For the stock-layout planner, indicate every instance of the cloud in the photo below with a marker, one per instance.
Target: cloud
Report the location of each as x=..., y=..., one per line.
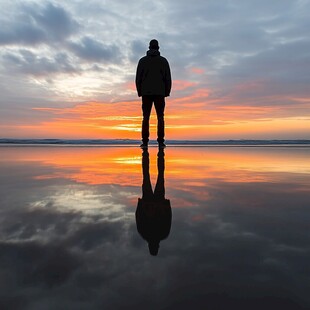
x=287, y=65
x=23, y=33
x=90, y=49
x=138, y=49
x=55, y=20
x=35, y=24
x=27, y=62
x=247, y=54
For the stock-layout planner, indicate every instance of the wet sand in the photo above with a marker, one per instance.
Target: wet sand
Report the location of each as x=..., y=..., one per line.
x=239, y=232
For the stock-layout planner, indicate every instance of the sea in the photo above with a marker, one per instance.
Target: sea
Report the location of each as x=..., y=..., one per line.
x=243, y=142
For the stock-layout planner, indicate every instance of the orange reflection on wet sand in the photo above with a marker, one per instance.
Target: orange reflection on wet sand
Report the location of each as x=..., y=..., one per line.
x=190, y=166
x=238, y=164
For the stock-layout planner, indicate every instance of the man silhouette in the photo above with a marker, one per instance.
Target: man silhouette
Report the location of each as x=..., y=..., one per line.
x=153, y=83
x=153, y=213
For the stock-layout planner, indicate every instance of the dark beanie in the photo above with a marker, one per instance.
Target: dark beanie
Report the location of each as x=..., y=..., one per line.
x=154, y=44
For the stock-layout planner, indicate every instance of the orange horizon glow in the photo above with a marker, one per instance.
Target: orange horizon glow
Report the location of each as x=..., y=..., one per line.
x=123, y=165
x=195, y=116
x=191, y=171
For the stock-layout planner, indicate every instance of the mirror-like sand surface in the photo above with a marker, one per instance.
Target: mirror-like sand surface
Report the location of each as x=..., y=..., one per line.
x=238, y=237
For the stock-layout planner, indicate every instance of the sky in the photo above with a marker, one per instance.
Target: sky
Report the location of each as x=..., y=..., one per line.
x=240, y=68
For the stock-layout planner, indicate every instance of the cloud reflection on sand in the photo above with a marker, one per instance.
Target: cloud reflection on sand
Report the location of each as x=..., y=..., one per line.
x=239, y=235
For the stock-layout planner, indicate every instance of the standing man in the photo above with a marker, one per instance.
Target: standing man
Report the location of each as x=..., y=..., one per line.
x=153, y=83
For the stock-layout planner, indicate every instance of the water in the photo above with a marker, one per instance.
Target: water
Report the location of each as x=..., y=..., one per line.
x=130, y=142
x=239, y=234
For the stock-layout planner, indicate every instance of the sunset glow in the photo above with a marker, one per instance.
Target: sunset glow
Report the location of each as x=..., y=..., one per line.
x=240, y=78
x=122, y=165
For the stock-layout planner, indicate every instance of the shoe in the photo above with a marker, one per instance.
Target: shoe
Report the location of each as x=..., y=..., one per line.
x=144, y=145
x=161, y=145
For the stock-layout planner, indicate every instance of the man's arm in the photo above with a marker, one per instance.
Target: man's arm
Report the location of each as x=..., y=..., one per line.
x=139, y=78
x=168, y=82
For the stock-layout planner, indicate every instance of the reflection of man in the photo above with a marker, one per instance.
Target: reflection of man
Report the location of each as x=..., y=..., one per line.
x=153, y=214
x=153, y=83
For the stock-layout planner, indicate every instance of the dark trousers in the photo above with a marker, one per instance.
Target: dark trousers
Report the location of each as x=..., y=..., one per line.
x=147, y=103
x=159, y=191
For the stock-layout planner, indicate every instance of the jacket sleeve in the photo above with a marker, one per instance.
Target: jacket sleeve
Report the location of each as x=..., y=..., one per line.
x=168, y=82
x=139, y=78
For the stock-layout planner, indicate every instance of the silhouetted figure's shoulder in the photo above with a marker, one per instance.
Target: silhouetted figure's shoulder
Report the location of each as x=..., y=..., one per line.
x=153, y=219
x=153, y=55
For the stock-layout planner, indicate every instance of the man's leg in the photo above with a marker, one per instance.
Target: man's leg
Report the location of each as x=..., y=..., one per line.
x=147, y=102
x=159, y=192
x=159, y=102
x=147, y=192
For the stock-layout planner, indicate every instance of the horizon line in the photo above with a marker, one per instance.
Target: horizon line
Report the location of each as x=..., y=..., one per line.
x=56, y=141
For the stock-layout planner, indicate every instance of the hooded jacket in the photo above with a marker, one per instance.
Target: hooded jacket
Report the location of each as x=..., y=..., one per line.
x=153, y=75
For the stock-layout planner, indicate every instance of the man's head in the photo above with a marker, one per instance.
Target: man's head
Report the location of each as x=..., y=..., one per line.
x=154, y=45
x=153, y=247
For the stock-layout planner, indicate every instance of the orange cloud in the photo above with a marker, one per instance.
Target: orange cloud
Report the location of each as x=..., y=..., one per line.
x=198, y=115
x=181, y=85
x=130, y=85
x=197, y=70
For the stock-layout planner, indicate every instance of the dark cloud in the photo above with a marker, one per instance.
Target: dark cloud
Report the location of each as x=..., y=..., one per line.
x=138, y=49
x=287, y=64
x=23, y=33
x=27, y=62
x=240, y=41
x=50, y=265
x=90, y=49
x=37, y=24
x=55, y=20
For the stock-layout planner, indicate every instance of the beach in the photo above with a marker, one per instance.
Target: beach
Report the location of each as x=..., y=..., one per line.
x=239, y=234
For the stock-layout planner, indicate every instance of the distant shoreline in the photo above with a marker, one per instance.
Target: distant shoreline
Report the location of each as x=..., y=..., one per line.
x=128, y=142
